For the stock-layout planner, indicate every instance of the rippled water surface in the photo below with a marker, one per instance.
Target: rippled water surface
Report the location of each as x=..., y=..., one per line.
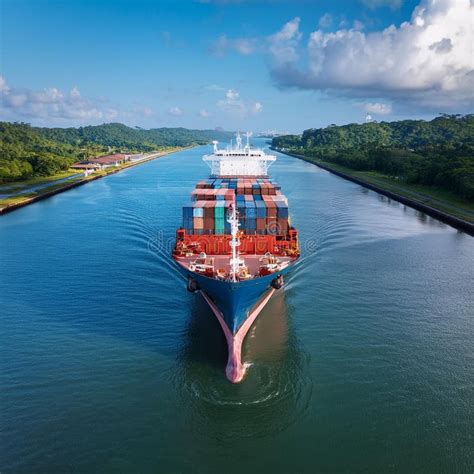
x=365, y=363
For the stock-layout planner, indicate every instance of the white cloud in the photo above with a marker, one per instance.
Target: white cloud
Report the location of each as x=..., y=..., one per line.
x=75, y=92
x=378, y=108
x=257, y=107
x=203, y=113
x=235, y=105
x=176, y=111
x=283, y=45
x=50, y=104
x=111, y=114
x=147, y=111
x=406, y=63
x=232, y=94
x=3, y=85
x=325, y=21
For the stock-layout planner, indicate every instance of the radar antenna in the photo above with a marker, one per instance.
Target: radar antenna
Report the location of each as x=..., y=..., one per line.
x=238, y=141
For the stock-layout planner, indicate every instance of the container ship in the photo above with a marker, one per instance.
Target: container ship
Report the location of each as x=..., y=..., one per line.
x=236, y=241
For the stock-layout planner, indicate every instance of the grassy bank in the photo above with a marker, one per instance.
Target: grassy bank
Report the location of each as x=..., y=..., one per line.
x=19, y=194
x=439, y=199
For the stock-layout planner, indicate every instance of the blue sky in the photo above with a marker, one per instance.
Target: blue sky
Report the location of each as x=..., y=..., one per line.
x=257, y=65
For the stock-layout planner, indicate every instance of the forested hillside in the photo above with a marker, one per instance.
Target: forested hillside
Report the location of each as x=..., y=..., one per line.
x=119, y=135
x=435, y=153
x=26, y=151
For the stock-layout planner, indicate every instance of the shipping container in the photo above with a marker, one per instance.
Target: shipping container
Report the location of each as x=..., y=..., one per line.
x=261, y=225
x=283, y=226
x=271, y=209
x=250, y=225
x=282, y=210
x=198, y=222
x=219, y=225
x=188, y=224
x=209, y=209
x=198, y=209
x=188, y=211
x=272, y=226
x=261, y=209
x=219, y=211
x=209, y=223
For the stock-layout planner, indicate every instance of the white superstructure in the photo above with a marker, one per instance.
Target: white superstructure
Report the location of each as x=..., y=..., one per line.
x=238, y=160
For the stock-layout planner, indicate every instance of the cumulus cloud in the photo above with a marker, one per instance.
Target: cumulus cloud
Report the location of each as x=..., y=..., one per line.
x=3, y=85
x=232, y=95
x=408, y=63
x=378, y=108
x=235, y=105
x=176, y=111
x=257, y=107
x=51, y=104
x=203, y=113
x=141, y=111
x=325, y=21
x=283, y=45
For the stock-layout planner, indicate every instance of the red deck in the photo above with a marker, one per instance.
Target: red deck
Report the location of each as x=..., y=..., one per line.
x=249, y=244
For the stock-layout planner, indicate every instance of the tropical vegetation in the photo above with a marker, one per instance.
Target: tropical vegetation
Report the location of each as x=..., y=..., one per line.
x=437, y=153
x=27, y=152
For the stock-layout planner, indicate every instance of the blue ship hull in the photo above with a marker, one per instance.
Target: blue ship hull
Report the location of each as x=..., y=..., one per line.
x=234, y=300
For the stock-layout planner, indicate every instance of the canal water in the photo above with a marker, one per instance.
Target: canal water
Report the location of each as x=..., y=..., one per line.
x=364, y=363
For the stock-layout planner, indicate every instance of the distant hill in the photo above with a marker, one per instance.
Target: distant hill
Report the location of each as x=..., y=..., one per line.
x=403, y=134
x=27, y=151
x=121, y=136
x=437, y=153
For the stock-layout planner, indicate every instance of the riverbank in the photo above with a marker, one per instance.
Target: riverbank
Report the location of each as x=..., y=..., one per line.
x=444, y=210
x=17, y=201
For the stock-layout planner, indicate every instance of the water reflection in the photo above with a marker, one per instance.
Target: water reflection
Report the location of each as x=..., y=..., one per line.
x=275, y=392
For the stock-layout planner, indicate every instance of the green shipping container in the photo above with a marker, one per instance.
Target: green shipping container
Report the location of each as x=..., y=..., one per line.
x=219, y=225
x=219, y=210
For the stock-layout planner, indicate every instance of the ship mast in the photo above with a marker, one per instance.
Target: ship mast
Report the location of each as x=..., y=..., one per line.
x=234, y=243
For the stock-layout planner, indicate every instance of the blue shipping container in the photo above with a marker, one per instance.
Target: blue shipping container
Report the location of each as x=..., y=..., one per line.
x=188, y=211
x=198, y=212
x=251, y=224
x=261, y=209
x=282, y=210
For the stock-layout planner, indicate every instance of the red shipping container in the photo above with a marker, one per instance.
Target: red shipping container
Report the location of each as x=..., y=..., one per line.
x=272, y=226
x=209, y=209
x=283, y=226
x=261, y=224
x=208, y=223
x=198, y=222
x=271, y=209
